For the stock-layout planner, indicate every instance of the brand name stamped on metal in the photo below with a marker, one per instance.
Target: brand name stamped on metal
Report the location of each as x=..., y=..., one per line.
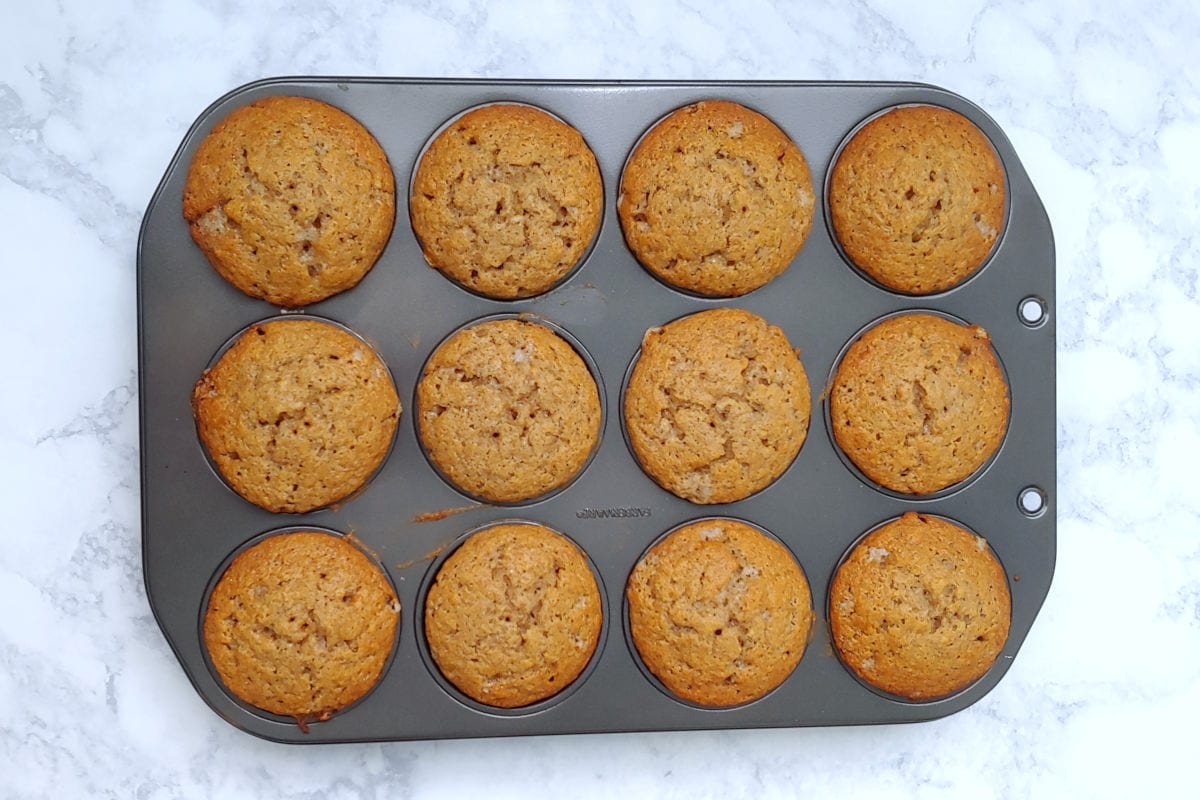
x=613, y=513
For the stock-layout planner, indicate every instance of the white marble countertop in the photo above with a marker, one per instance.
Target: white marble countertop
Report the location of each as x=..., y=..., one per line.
x=1103, y=108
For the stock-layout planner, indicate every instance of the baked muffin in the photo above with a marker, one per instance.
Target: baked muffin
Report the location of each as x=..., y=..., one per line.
x=719, y=612
x=507, y=410
x=291, y=200
x=920, y=608
x=301, y=624
x=717, y=405
x=297, y=414
x=716, y=199
x=917, y=199
x=506, y=200
x=514, y=615
x=919, y=403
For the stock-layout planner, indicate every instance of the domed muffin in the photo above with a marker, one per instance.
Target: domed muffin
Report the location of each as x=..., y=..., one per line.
x=919, y=403
x=301, y=624
x=507, y=410
x=297, y=414
x=719, y=612
x=920, y=608
x=506, y=200
x=291, y=199
x=717, y=405
x=514, y=615
x=716, y=199
x=917, y=199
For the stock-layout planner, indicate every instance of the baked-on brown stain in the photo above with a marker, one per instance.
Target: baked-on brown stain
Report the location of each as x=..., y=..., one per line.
x=917, y=199
x=719, y=612
x=716, y=199
x=432, y=554
x=351, y=537
x=717, y=405
x=506, y=200
x=920, y=608
x=291, y=200
x=441, y=514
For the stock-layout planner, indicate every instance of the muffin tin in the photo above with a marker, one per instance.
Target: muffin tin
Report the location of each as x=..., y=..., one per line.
x=410, y=518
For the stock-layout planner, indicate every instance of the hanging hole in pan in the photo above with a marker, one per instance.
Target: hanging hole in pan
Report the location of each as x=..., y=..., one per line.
x=1032, y=311
x=1032, y=501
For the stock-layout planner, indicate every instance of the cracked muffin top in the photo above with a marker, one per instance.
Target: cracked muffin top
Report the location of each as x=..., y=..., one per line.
x=301, y=624
x=719, y=612
x=291, y=200
x=717, y=405
x=297, y=414
x=917, y=199
x=919, y=403
x=920, y=608
x=507, y=410
x=716, y=199
x=506, y=200
x=514, y=615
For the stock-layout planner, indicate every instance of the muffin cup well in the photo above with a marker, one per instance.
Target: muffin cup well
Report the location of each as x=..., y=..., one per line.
x=1005, y=651
x=837, y=243
x=579, y=349
x=587, y=251
x=953, y=488
x=453, y=691
x=222, y=568
x=628, y=630
x=296, y=315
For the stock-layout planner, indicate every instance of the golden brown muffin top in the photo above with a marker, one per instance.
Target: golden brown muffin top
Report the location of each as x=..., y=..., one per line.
x=507, y=410
x=297, y=414
x=920, y=608
x=919, y=403
x=717, y=405
x=716, y=199
x=301, y=624
x=719, y=612
x=917, y=199
x=291, y=199
x=514, y=615
x=506, y=200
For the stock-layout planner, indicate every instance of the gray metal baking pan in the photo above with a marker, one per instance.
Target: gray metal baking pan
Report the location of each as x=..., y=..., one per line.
x=191, y=522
